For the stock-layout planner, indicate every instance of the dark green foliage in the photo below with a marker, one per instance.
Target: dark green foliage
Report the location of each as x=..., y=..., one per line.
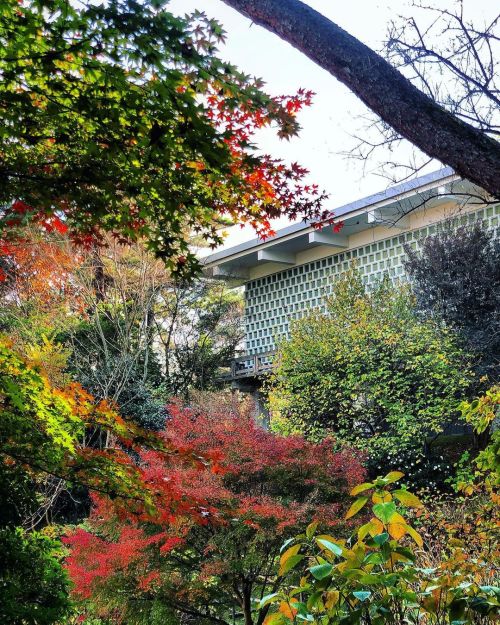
x=17, y=494
x=456, y=276
x=33, y=585
x=426, y=468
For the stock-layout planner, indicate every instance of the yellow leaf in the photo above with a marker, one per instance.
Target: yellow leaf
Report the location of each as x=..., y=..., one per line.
x=360, y=488
x=311, y=528
x=397, y=530
x=376, y=526
x=287, y=610
x=393, y=476
x=415, y=535
x=381, y=497
x=408, y=499
x=356, y=507
x=373, y=527
x=291, y=551
x=332, y=598
x=363, y=531
x=398, y=557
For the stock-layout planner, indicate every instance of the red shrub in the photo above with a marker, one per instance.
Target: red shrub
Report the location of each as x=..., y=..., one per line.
x=249, y=489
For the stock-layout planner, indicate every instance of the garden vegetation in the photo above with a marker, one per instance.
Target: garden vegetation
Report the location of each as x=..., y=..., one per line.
x=134, y=489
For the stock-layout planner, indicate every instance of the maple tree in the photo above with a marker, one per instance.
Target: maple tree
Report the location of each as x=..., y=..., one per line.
x=39, y=295
x=120, y=117
x=37, y=265
x=115, y=320
x=211, y=561
x=44, y=433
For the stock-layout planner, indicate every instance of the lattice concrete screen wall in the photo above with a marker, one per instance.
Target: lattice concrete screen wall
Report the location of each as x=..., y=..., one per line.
x=271, y=302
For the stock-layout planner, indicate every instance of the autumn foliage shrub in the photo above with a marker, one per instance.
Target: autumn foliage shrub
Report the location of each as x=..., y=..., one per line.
x=44, y=433
x=381, y=573
x=252, y=489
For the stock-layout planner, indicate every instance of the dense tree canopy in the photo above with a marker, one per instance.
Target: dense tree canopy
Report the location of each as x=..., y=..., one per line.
x=120, y=117
x=456, y=276
x=124, y=140
x=369, y=371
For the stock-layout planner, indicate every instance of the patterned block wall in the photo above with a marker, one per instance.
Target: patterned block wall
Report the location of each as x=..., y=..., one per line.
x=272, y=301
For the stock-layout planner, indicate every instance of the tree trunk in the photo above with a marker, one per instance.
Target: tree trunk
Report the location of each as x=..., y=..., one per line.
x=247, y=604
x=411, y=113
x=99, y=281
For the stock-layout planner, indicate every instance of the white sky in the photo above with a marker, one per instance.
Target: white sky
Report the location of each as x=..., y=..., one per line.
x=328, y=125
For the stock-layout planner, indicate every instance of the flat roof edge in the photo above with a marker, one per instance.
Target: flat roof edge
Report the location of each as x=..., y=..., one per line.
x=391, y=193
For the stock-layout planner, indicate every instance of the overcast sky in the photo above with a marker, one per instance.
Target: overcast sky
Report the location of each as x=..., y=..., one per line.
x=328, y=126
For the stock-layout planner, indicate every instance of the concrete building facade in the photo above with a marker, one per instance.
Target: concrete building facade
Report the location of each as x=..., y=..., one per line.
x=295, y=270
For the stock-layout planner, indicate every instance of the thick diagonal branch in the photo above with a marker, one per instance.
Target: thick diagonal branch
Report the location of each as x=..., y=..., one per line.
x=411, y=113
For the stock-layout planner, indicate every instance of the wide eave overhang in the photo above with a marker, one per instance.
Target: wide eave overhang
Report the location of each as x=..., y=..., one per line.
x=390, y=207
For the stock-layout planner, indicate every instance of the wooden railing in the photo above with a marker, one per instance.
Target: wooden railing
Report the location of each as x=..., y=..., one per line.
x=249, y=366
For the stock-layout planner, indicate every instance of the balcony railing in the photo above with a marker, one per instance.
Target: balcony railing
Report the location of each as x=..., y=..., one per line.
x=249, y=366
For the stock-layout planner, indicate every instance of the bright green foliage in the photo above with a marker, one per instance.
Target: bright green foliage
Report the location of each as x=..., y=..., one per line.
x=34, y=431
x=484, y=414
x=119, y=116
x=33, y=585
x=369, y=372
x=38, y=424
x=376, y=578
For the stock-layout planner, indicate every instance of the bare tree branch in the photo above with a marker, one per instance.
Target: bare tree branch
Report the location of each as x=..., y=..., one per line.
x=410, y=112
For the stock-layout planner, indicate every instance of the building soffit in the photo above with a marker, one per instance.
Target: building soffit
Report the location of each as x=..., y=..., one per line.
x=390, y=207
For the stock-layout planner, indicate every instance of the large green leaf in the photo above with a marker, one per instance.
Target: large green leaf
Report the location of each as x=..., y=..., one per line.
x=320, y=571
x=406, y=498
x=268, y=599
x=290, y=564
x=384, y=511
x=327, y=544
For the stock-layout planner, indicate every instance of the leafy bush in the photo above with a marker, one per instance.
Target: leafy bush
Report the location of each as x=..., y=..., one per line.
x=34, y=588
x=425, y=470
x=484, y=414
x=369, y=372
x=206, y=560
x=375, y=577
